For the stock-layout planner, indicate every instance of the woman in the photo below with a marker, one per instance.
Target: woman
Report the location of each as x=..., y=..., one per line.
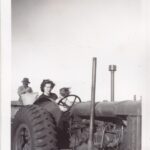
x=46, y=87
x=47, y=100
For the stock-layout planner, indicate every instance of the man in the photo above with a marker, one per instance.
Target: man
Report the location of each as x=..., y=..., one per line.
x=65, y=91
x=24, y=88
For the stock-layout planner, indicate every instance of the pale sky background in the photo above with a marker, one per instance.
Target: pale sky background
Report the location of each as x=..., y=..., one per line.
x=57, y=39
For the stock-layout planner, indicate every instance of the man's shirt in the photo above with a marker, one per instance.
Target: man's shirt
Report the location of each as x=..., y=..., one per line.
x=23, y=90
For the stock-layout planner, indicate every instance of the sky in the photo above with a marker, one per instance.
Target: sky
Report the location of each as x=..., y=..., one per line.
x=57, y=39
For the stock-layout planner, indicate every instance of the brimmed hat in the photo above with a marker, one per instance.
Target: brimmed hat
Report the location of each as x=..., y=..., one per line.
x=26, y=80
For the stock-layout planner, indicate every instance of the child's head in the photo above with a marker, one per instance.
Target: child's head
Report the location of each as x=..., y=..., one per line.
x=65, y=91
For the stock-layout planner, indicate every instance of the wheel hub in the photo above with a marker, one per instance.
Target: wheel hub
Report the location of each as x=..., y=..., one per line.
x=23, y=138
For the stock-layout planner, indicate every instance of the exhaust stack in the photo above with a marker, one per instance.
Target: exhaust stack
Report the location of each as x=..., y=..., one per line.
x=92, y=110
x=112, y=69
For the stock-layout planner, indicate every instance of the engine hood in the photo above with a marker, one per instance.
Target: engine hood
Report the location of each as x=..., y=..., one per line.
x=110, y=109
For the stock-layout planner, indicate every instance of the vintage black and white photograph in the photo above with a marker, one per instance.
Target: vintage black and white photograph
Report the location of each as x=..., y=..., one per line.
x=78, y=74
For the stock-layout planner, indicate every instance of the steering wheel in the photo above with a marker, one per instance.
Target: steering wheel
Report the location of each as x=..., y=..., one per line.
x=68, y=101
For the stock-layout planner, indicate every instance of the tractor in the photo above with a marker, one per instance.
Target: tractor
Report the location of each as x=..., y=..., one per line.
x=105, y=125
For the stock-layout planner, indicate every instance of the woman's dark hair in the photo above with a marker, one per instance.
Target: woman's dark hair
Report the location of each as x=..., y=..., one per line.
x=47, y=81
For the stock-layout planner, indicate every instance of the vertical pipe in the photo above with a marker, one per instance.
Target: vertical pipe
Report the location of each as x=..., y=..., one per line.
x=112, y=69
x=134, y=97
x=90, y=141
x=112, y=86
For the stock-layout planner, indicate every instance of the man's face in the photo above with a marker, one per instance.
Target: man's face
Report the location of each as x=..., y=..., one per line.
x=47, y=88
x=25, y=84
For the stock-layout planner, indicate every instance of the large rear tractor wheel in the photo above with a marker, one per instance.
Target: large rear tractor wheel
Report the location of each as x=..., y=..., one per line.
x=33, y=129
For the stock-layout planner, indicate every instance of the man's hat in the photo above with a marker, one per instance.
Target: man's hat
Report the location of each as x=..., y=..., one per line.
x=25, y=80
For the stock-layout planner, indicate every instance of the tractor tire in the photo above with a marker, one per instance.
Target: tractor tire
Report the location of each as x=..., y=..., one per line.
x=33, y=128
